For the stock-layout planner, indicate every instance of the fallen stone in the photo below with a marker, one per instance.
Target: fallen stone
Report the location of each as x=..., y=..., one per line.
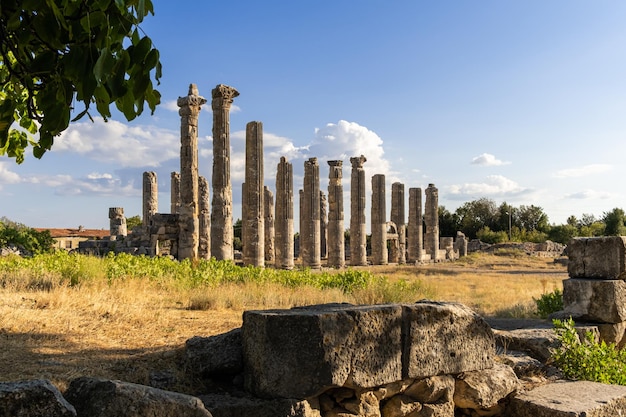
x=215, y=355
x=536, y=342
x=230, y=406
x=432, y=390
x=570, y=399
x=597, y=257
x=94, y=397
x=36, y=398
x=484, y=389
x=595, y=300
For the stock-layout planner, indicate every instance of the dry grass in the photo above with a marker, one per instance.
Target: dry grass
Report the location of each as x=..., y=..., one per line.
x=132, y=327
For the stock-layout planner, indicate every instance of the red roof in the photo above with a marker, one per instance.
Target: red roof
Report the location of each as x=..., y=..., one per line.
x=86, y=233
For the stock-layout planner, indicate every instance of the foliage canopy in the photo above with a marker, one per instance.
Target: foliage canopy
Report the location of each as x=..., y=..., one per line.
x=56, y=53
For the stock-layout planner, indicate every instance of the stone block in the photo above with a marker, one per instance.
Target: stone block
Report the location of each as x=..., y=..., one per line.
x=484, y=389
x=595, y=300
x=36, y=398
x=215, y=355
x=597, y=257
x=445, y=338
x=570, y=399
x=224, y=405
x=301, y=352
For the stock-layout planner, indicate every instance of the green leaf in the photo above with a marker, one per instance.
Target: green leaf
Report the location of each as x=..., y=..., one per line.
x=57, y=13
x=140, y=51
x=104, y=65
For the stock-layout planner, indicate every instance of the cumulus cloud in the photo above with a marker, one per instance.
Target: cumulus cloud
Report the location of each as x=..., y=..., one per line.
x=488, y=160
x=583, y=171
x=116, y=143
x=493, y=186
x=589, y=195
x=7, y=176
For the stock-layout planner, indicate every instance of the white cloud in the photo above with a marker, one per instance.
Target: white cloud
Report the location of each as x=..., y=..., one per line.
x=170, y=105
x=116, y=143
x=493, y=186
x=589, y=195
x=7, y=176
x=488, y=160
x=583, y=171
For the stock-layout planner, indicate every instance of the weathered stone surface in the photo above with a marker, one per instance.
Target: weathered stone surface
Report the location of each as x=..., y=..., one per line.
x=94, y=397
x=336, y=240
x=432, y=390
x=229, y=406
x=436, y=410
x=310, y=238
x=431, y=221
x=415, y=231
x=484, y=389
x=445, y=338
x=379, y=221
x=253, y=218
x=537, y=342
x=523, y=365
x=302, y=352
x=597, y=300
x=215, y=355
x=597, y=257
x=37, y=398
x=401, y=406
x=570, y=399
x=358, y=253
x=284, y=215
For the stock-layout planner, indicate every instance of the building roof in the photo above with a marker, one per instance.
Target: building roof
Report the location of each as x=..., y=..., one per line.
x=80, y=232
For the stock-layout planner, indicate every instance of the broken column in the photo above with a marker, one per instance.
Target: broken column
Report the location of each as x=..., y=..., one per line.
x=222, y=202
x=415, y=237
x=336, y=239
x=323, y=225
x=253, y=219
x=268, y=211
x=310, y=242
x=284, y=215
x=379, y=221
x=150, y=197
x=189, y=235
x=397, y=217
x=358, y=234
x=175, y=193
x=204, y=219
x=117, y=222
x=431, y=220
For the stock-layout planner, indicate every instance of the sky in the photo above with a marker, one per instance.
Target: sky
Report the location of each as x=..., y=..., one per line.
x=522, y=102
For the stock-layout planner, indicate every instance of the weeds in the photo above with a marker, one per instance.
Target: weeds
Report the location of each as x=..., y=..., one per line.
x=549, y=303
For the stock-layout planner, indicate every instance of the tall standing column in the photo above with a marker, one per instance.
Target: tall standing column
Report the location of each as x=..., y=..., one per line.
x=310, y=248
x=323, y=226
x=253, y=218
x=397, y=217
x=416, y=226
x=222, y=203
x=431, y=220
x=204, y=219
x=175, y=193
x=358, y=234
x=379, y=222
x=336, y=239
x=268, y=211
x=188, y=221
x=284, y=215
x=150, y=197
x=117, y=223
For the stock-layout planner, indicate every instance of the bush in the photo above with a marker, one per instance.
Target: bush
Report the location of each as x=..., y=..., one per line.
x=549, y=303
x=12, y=233
x=588, y=359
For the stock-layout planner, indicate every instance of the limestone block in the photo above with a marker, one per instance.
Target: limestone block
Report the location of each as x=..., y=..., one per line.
x=445, y=338
x=215, y=355
x=436, y=410
x=36, y=398
x=484, y=389
x=225, y=405
x=301, y=352
x=570, y=399
x=400, y=406
x=96, y=397
x=597, y=257
x=595, y=300
x=613, y=333
x=435, y=389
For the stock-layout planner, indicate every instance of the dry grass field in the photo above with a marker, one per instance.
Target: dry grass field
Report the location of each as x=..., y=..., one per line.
x=129, y=328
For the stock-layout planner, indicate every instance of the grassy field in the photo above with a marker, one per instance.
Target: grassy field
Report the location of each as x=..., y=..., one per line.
x=84, y=322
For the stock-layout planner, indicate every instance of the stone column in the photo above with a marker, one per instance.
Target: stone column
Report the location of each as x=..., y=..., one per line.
x=175, y=193
x=416, y=225
x=188, y=221
x=379, y=222
x=323, y=226
x=204, y=219
x=431, y=220
x=117, y=223
x=310, y=243
x=284, y=215
x=358, y=234
x=268, y=211
x=397, y=217
x=253, y=218
x=150, y=197
x=336, y=240
x=222, y=203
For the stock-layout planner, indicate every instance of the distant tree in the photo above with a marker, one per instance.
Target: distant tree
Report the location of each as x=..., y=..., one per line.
x=563, y=233
x=448, y=222
x=596, y=228
x=614, y=221
x=533, y=218
x=35, y=242
x=475, y=215
x=133, y=221
x=55, y=54
x=572, y=221
x=587, y=220
x=485, y=234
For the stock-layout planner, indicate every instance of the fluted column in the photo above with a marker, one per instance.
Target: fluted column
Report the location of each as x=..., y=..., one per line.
x=310, y=247
x=204, y=219
x=117, y=223
x=323, y=225
x=174, y=192
x=379, y=222
x=397, y=217
x=150, y=197
x=268, y=212
x=431, y=220
x=253, y=219
x=284, y=215
x=358, y=233
x=415, y=233
x=336, y=239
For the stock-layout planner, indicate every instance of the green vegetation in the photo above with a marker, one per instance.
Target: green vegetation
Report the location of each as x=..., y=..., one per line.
x=588, y=359
x=549, y=303
x=56, y=54
x=12, y=233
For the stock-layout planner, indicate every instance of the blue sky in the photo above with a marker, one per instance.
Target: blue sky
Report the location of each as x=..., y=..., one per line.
x=516, y=101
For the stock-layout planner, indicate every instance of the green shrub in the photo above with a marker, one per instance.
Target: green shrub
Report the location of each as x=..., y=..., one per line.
x=588, y=359
x=549, y=303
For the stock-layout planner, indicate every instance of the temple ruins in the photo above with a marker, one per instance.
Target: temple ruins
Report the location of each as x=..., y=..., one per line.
x=200, y=222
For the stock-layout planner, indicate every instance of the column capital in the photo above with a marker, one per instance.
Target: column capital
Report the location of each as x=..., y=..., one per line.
x=358, y=161
x=223, y=96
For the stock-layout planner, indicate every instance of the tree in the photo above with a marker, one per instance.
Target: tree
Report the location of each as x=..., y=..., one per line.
x=533, y=218
x=614, y=221
x=448, y=222
x=57, y=53
x=133, y=221
x=475, y=215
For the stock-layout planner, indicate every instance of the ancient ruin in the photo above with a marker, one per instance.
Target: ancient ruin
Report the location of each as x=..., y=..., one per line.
x=398, y=253
x=415, y=229
x=253, y=219
x=284, y=215
x=379, y=221
x=310, y=239
x=358, y=234
x=268, y=212
x=336, y=239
